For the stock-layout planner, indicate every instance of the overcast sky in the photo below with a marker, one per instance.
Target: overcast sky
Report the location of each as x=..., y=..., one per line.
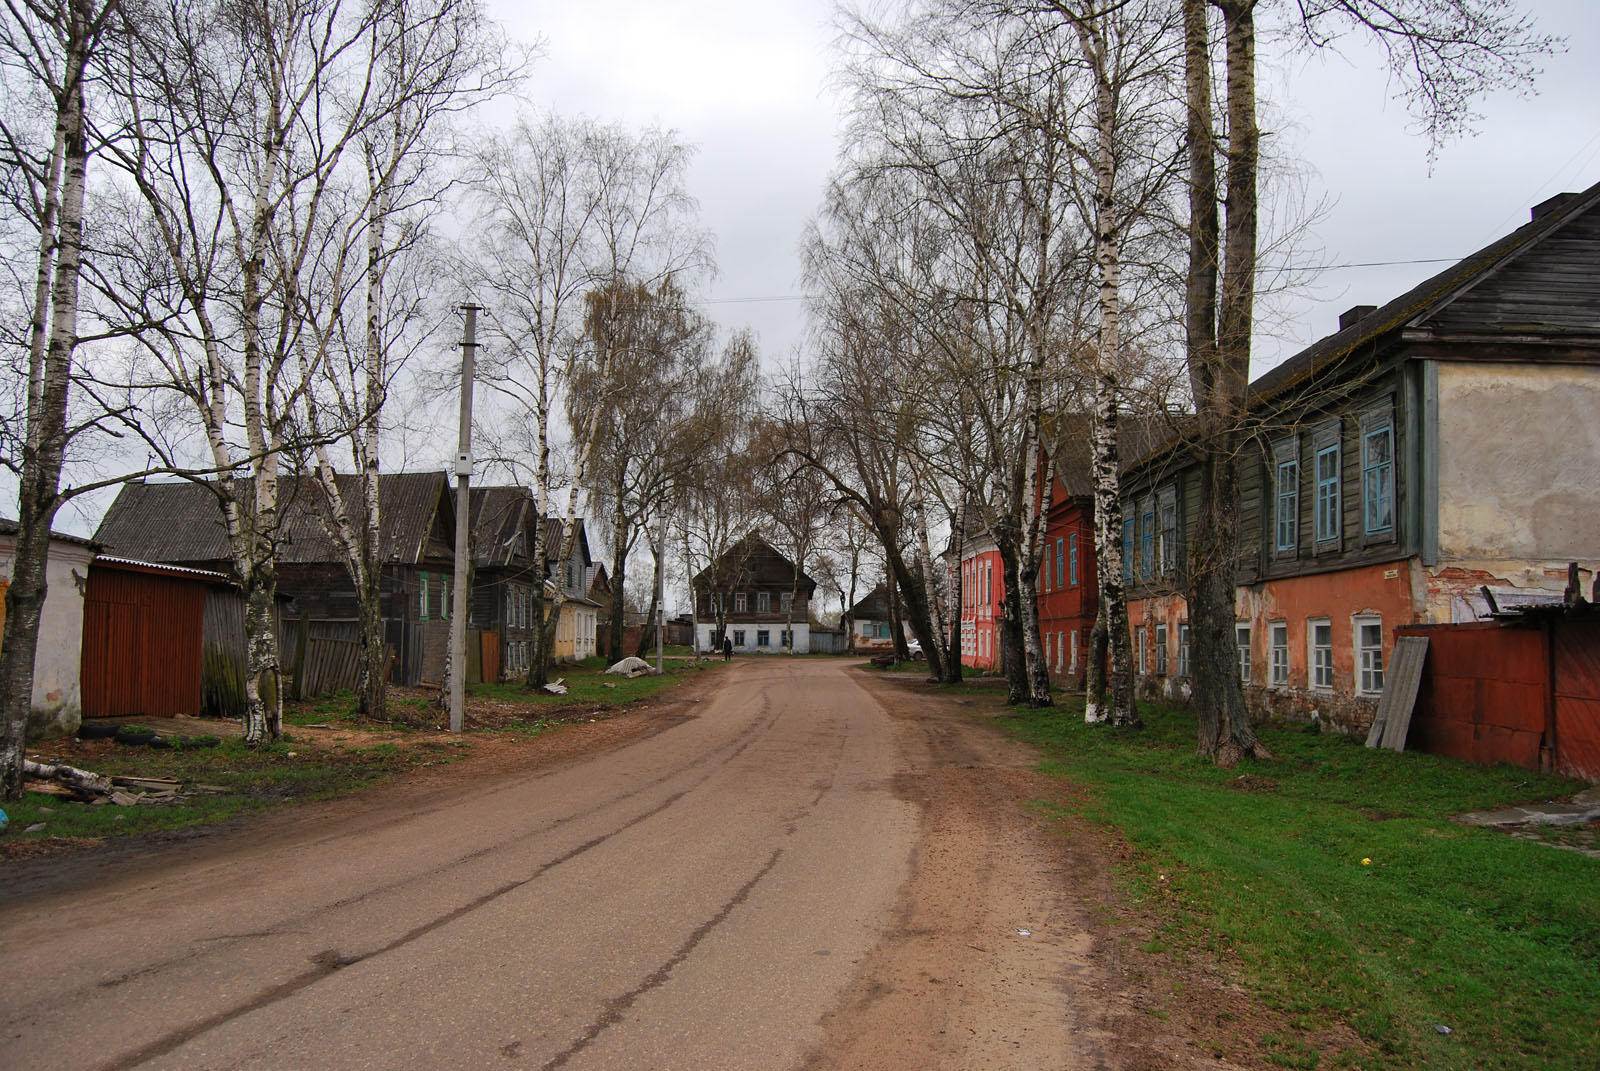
x=747, y=84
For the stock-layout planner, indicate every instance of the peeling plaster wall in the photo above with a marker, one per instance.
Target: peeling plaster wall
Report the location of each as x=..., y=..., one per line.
x=57, y=695
x=1396, y=591
x=1519, y=462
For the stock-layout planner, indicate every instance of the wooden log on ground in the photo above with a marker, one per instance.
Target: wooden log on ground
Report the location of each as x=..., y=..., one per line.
x=90, y=784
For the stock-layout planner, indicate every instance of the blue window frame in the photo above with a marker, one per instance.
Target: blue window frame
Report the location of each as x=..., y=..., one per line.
x=1072, y=559
x=1377, y=479
x=1127, y=550
x=1147, y=541
x=1328, y=504
x=1060, y=552
x=1288, y=504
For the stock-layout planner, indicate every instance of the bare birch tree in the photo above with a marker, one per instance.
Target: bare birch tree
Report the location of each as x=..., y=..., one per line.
x=565, y=208
x=242, y=124
x=50, y=46
x=430, y=60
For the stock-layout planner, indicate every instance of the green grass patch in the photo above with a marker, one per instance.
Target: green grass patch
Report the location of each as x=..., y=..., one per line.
x=589, y=687
x=1494, y=937
x=239, y=780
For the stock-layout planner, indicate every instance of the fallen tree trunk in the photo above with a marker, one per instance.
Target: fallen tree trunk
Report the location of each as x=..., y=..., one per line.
x=90, y=784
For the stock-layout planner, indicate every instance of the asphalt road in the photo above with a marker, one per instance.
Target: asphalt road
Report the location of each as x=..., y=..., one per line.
x=698, y=898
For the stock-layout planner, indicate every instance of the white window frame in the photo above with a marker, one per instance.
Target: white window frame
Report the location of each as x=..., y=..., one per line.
x=1242, y=642
x=1317, y=679
x=1369, y=657
x=763, y=602
x=1143, y=634
x=1161, y=649
x=1183, y=648
x=1074, y=667
x=1278, y=645
x=741, y=602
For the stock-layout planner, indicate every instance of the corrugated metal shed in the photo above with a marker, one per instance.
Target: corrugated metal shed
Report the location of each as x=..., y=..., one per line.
x=142, y=634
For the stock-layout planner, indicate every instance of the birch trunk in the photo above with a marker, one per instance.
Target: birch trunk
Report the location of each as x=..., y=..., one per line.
x=50, y=366
x=1035, y=515
x=1105, y=455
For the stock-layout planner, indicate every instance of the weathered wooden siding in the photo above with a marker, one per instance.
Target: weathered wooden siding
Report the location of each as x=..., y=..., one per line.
x=1552, y=286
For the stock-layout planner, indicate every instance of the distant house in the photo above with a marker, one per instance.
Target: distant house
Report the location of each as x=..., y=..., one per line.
x=1068, y=592
x=180, y=523
x=1432, y=449
x=57, y=704
x=872, y=621
x=759, y=595
x=580, y=615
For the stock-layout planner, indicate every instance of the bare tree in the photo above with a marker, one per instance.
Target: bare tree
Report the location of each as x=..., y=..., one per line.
x=1442, y=55
x=961, y=97
x=659, y=349
x=566, y=208
x=430, y=60
x=51, y=46
x=243, y=123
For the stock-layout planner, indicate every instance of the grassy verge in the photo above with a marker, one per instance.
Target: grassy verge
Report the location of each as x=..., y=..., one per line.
x=219, y=783
x=229, y=780
x=1337, y=882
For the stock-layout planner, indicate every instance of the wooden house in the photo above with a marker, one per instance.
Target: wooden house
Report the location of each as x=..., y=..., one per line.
x=503, y=603
x=1431, y=450
x=758, y=596
x=180, y=523
x=872, y=621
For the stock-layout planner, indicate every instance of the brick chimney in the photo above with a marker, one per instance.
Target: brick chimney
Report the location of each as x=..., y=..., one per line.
x=1354, y=314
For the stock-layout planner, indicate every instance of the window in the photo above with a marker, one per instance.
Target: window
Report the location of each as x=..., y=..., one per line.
x=422, y=597
x=1167, y=514
x=1161, y=650
x=1144, y=649
x=716, y=602
x=1241, y=642
x=511, y=608
x=786, y=638
x=764, y=602
x=738, y=637
x=1278, y=638
x=1072, y=559
x=1287, y=462
x=1061, y=651
x=763, y=638
x=1369, y=654
x=1049, y=648
x=1320, y=638
x=1074, y=650
x=1183, y=649
x=1328, y=493
x=1127, y=550
x=785, y=601
x=741, y=602
x=1147, y=540
x=1061, y=553
x=1377, y=475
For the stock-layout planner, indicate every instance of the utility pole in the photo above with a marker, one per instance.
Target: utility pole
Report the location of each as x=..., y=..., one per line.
x=459, y=604
x=661, y=594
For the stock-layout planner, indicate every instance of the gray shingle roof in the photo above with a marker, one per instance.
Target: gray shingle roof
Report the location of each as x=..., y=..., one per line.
x=182, y=520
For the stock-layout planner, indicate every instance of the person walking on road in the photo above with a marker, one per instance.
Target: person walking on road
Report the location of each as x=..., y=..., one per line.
x=727, y=648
